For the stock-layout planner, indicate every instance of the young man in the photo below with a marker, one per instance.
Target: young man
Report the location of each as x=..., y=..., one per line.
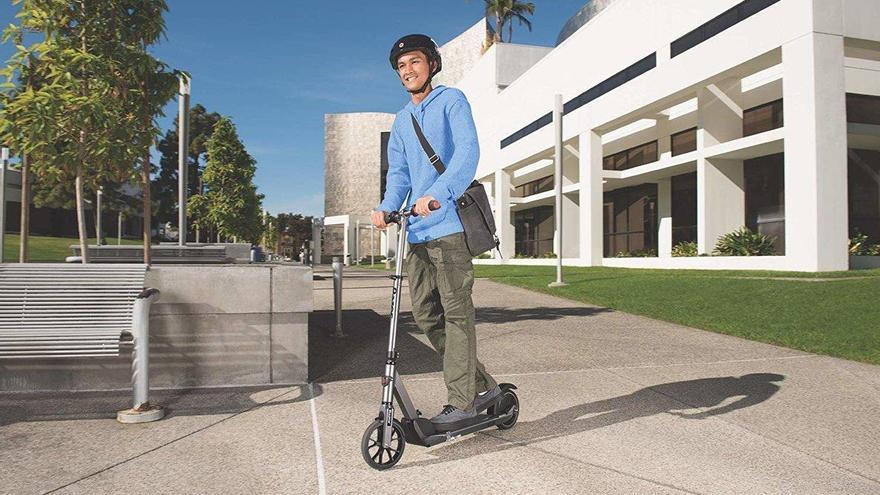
x=439, y=265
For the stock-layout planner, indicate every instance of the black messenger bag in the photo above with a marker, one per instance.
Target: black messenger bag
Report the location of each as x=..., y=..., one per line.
x=473, y=206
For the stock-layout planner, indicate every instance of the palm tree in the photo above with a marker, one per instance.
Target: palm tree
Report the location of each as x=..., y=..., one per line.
x=505, y=11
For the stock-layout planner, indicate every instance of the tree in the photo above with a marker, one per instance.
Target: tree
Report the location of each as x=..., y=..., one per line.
x=504, y=12
x=292, y=230
x=92, y=115
x=230, y=203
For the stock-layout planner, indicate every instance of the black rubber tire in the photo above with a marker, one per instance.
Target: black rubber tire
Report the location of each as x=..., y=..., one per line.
x=508, y=400
x=372, y=450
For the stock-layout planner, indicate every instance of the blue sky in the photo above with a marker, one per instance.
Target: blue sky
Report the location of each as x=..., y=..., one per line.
x=275, y=67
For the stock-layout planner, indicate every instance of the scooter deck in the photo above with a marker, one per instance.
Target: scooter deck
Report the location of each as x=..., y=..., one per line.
x=431, y=436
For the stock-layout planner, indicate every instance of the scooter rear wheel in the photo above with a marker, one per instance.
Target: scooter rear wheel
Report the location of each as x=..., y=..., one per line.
x=371, y=445
x=509, y=403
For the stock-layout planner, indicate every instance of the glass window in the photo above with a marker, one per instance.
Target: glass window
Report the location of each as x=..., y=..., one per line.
x=864, y=194
x=633, y=157
x=383, y=169
x=762, y=118
x=684, y=208
x=534, y=231
x=543, y=184
x=684, y=142
x=630, y=220
x=765, y=197
x=863, y=109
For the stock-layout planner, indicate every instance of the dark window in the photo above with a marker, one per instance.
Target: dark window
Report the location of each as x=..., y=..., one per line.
x=385, y=136
x=863, y=109
x=684, y=208
x=628, y=74
x=684, y=141
x=763, y=118
x=765, y=197
x=716, y=25
x=630, y=220
x=543, y=184
x=864, y=194
x=633, y=157
x=534, y=231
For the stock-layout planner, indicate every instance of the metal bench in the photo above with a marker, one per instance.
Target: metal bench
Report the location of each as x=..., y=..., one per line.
x=161, y=254
x=71, y=311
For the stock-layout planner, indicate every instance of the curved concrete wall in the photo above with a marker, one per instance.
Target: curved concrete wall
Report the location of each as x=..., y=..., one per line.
x=352, y=161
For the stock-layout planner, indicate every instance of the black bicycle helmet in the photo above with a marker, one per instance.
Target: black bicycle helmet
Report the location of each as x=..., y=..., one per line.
x=413, y=42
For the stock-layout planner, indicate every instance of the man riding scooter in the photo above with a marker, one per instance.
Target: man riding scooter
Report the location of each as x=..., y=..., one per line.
x=439, y=267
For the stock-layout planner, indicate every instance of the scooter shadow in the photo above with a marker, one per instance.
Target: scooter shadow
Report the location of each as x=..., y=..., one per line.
x=675, y=398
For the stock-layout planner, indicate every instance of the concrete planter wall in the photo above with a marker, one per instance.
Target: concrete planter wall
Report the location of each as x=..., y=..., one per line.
x=213, y=325
x=864, y=262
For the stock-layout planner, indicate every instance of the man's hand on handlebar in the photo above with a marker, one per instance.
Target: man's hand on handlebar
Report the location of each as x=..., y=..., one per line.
x=378, y=219
x=422, y=206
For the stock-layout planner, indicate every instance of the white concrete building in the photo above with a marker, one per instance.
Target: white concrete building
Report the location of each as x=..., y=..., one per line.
x=685, y=120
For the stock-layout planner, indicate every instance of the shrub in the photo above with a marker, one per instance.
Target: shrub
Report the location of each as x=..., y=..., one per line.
x=638, y=253
x=687, y=248
x=549, y=254
x=522, y=256
x=858, y=244
x=874, y=250
x=484, y=256
x=744, y=242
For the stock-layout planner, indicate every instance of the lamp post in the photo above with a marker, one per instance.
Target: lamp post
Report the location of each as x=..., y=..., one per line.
x=4, y=161
x=182, y=148
x=98, y=223
x=557, y=181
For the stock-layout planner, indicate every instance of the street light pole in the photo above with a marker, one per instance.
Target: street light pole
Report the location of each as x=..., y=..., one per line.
x=182, y=148
x=557, y=181
x=4, y=161
x=98, y=224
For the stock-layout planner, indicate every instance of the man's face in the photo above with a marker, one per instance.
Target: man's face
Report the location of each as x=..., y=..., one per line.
x=413, y=69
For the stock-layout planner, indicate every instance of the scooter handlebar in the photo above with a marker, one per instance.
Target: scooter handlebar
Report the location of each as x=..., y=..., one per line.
x=394, y=216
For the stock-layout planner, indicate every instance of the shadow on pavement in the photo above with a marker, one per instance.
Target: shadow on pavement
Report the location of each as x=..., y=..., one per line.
x=361, y=353
x=669, y=398
x=62, y=406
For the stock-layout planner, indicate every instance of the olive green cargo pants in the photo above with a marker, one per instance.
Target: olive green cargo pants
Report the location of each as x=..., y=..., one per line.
x=441, y=277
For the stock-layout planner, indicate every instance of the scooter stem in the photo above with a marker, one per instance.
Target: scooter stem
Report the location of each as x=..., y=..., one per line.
x=391, y=357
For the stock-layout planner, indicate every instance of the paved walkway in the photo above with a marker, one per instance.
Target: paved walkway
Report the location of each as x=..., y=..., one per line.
x=611, y=403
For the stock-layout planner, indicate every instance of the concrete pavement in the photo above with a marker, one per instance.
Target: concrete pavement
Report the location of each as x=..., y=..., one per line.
x=611, y=403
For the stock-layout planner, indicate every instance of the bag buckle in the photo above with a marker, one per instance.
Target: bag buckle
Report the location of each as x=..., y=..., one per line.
x=434, y=159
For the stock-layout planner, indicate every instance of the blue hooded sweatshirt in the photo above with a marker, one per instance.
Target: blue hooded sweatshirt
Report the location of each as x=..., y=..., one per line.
x=446, y=120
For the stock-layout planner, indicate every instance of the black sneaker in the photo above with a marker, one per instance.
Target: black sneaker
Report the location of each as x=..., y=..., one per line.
x=451, y=415
x=484, y=400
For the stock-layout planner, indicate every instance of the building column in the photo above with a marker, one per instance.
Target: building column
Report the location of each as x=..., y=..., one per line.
x=664, y=143
x=664, y=215
x=816, y=190
x=590, y=172
x=721, y=200
x=719, y=116
x=503, y=219
x=345, y=240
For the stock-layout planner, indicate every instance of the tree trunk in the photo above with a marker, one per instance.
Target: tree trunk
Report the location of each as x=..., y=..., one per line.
x=499, y=26
x=25, y=209
x=81, y=217
x=148, y=210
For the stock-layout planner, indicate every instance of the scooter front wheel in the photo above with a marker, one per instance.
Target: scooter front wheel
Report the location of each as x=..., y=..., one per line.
x=371, y=445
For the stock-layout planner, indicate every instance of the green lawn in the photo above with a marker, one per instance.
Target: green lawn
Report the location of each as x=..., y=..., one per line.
x=47, y=249
x=837, y=317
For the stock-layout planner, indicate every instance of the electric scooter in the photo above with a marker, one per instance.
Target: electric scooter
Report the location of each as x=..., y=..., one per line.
x=384, y=440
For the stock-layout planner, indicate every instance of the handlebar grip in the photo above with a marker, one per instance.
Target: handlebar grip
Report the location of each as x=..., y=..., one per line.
x=391, y=217
x=434, y=205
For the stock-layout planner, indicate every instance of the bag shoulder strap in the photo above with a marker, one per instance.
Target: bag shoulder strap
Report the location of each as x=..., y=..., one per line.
x=432, y=156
